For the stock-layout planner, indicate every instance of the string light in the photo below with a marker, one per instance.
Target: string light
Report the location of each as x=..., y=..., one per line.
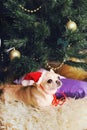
x=30, y=11
x=55, y=68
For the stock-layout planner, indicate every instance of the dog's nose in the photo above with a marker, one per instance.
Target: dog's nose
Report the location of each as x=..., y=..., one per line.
x=58, y=82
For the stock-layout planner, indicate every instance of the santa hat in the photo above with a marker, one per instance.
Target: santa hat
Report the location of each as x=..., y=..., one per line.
x=32, y=77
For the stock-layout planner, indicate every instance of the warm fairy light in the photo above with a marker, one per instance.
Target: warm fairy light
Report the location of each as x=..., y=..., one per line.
x=30, y=11
x=54, y=68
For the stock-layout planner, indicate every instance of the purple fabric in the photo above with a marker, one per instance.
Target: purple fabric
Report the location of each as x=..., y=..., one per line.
x=18, y=81
x=73, y=88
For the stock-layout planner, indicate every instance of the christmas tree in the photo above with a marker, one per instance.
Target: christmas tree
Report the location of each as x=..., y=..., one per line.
x=43, y=31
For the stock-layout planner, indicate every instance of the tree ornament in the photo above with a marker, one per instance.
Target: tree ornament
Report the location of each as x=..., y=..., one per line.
x=36, y=24
x=71, y=25
x=14, y=54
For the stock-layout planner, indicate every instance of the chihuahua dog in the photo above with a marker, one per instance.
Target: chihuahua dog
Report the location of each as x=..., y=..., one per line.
x=39, y=94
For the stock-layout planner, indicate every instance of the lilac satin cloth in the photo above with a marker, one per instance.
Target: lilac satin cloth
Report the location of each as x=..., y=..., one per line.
x=72, y=88
x=18, y=81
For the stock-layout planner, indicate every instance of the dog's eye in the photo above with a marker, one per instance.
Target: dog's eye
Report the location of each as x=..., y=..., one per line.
x=58, y=77
x=49, y=81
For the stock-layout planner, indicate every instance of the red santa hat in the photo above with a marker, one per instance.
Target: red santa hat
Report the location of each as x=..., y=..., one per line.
x=32, y=77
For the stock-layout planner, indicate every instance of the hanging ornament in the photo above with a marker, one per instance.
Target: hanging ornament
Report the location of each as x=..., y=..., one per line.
x=14, y=54
x=36, y=24
x=71, y=25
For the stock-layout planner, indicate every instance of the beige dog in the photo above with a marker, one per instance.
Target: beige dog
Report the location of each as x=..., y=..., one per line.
x=39, y=94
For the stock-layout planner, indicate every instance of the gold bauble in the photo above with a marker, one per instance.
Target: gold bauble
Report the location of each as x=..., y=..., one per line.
x=14, y=54
x=71, y=25
x=36, y=24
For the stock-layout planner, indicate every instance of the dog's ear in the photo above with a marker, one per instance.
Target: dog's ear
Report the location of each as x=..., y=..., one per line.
x=51, y=70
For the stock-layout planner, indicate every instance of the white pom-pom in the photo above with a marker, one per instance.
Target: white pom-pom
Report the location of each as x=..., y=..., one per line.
x=27, y=82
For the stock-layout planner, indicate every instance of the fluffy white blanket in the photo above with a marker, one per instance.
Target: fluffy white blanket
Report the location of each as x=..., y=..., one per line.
x=72, y=115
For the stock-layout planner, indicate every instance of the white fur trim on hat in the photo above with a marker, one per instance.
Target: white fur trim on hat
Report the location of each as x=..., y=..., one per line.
x=27, y=82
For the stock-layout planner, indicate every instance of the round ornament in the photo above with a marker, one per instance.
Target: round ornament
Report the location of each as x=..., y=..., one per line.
x=71, y=25
x=14, y=54
x=36, y=24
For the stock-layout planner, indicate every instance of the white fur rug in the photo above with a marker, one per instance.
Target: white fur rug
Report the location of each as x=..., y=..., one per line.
x=70, y=116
